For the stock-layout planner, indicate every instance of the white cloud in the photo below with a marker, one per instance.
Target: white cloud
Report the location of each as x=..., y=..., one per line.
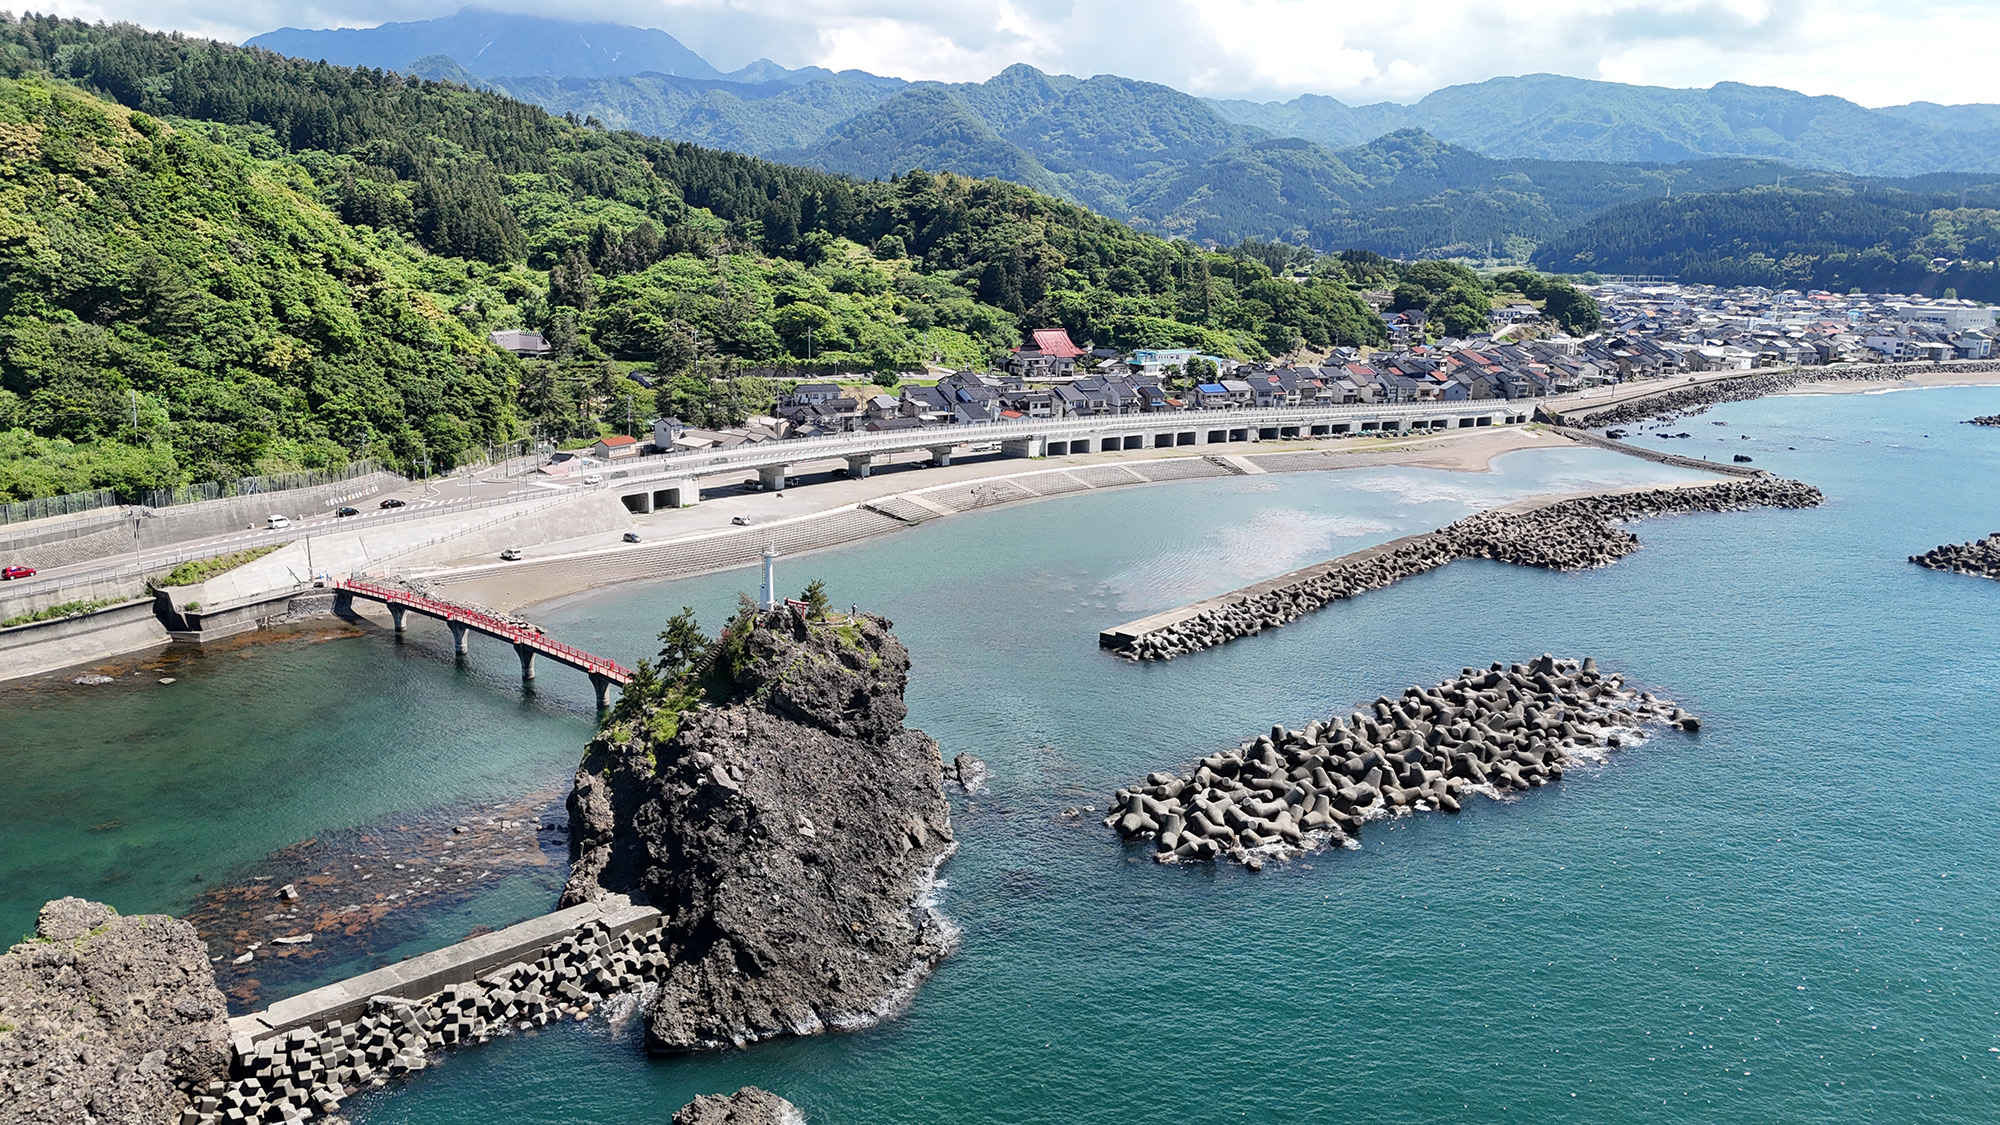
x=1875, y=52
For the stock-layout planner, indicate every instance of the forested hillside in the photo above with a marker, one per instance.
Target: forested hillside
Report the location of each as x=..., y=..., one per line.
x=284, y=263
x=1897, y=242
x=1174, y=165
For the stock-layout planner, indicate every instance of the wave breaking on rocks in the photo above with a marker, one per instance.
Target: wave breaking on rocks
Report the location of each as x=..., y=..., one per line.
x=1980, y=558
x=1491, y=732
x=1572, y=534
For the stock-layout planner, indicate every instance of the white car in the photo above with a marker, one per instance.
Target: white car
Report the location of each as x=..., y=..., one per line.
x=593, y=478
x=511, y=554
x=740, y=521
x=275, y=522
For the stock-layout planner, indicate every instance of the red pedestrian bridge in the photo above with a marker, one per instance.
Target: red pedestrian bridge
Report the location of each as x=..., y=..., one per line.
x=464, y=621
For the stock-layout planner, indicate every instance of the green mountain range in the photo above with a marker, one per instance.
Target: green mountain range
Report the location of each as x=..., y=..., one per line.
x=1312, y=171
x=217, y=261
x=1550, y=117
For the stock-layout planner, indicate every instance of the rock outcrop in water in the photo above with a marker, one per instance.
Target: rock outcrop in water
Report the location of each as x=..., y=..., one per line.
x=1980, y=557
x=1492, y=731
x=1564, y=535
x=789, y=829
x=1984, y=420
x=747, y=1106
x=107, y=1019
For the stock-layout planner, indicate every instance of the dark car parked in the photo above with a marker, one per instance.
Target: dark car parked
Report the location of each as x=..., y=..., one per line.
x=345, y=512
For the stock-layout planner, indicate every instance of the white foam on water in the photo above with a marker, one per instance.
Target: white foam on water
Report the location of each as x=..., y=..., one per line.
x=1270, y=542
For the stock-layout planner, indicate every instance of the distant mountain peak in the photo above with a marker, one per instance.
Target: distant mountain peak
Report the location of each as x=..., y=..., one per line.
x=494, y=44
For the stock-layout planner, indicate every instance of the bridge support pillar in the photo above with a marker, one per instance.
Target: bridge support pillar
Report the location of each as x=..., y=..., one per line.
x=527, y=656
x=941, y=455
x=399, y=615
x=857, y=467
x=460, y=631
x=1025, y=447
x=603, y=686
x=773, y=477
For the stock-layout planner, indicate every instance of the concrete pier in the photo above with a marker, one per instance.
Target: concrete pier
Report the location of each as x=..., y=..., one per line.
x=423, y=975
x=460, y=635
x=527, y=656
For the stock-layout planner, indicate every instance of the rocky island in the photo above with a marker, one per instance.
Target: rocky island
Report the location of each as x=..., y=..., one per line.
x=747, y=1106
x=1488, y=731
x=763, y=793
x=1984, y=420
x=107, y=1019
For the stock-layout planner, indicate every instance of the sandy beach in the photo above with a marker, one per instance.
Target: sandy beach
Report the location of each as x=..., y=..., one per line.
x=512, y=589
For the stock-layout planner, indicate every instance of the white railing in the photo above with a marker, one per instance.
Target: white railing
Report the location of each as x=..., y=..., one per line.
x=794, y=450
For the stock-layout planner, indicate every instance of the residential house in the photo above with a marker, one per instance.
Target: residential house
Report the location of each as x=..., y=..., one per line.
x=1048, y=354
x=615, y=448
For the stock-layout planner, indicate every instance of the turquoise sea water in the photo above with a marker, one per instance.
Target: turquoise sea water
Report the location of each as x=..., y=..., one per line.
x=1786, y=917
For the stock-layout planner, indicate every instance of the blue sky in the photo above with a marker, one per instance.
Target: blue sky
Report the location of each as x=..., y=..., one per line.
x=1876, y=52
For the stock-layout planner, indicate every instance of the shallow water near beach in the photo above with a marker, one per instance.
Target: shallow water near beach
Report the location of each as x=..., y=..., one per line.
x=1787, y=916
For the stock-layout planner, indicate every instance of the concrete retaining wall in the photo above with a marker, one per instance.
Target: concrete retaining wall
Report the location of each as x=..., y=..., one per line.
x=575, y=516
x=65, y=540
x=165, y=526
x=118, y=588
x=44, y=646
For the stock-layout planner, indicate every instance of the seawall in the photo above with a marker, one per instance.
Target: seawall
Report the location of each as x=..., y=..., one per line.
x=1665, y=396
x=45, y=646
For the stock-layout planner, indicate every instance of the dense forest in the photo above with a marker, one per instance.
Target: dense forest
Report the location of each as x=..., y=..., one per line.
x=246, y=263
x=1884, y=241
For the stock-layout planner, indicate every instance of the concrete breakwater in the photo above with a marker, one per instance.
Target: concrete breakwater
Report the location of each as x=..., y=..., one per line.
x=1563, y=534
x=1980, y=557
x=292, y=1073
x=1503, y=729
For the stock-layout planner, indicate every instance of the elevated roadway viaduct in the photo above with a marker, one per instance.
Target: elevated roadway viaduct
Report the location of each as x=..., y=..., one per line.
x=671, y=480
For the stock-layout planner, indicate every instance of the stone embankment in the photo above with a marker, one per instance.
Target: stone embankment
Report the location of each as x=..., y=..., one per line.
x=1984, y=420
x=789, y=830
x=1980, y=557
x=1561, y=535
x=1489, y=732
x=1695, y=398
x=747, y=1106
x=307, y=1071
x=107, y=1019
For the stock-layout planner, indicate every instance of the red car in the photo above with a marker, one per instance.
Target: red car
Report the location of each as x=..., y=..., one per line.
x=14, y=572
